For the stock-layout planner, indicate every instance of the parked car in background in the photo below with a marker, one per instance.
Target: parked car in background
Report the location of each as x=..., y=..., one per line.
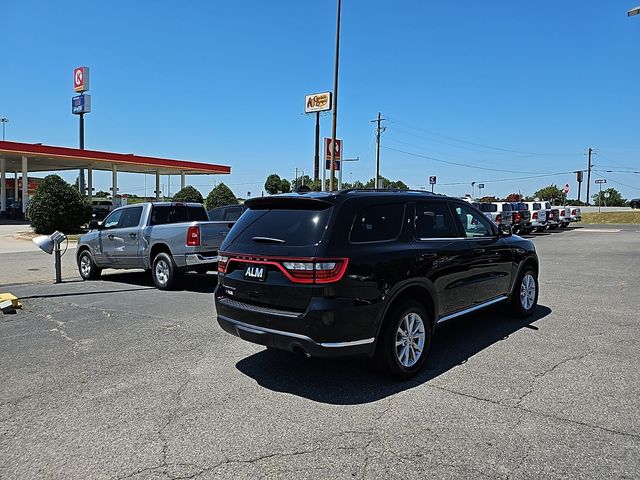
x=538, y=215
x=553, y=216
x=227, y=216
x=634, y=203
x=565, y=216
x=505, y=212
x=366, y=272
x=164, y=238
x=521, y=218
x=100, y=208
x=576, y=214
x=490, y=211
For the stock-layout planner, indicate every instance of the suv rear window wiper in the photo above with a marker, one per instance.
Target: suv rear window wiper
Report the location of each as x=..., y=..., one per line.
x=268, y=240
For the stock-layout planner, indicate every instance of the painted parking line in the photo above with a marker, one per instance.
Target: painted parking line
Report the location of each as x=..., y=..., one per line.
x=600, y=230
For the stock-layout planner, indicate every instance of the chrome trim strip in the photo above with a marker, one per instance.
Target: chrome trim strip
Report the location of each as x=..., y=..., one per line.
x=254, y=308
x=472, y=309
x=353, y=343
x=254, y=329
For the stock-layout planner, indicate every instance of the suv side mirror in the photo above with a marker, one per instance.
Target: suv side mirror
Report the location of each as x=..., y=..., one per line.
x=94, y=225
x=504, y=230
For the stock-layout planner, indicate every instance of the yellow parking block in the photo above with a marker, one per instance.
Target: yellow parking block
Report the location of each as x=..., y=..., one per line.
x=9, y=296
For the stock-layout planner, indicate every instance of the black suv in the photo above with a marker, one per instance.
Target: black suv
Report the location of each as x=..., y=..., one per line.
x=367, y=272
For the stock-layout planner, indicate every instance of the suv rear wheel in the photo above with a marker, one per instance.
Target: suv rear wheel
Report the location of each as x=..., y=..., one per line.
x=524, y=298
x=404, y=340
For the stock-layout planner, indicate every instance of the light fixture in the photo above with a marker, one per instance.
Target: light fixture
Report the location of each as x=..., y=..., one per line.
x=51, y=244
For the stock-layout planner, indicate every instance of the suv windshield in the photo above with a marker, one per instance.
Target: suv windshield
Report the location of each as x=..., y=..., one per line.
x=300, y=227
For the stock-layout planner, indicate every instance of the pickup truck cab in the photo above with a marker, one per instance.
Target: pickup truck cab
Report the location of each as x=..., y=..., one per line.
x=164, y=238
x=538, y=215
x=490, y=211
x=576, y=214
x=565, y=216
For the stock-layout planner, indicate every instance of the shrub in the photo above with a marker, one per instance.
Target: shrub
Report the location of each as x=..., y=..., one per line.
x=56, y=205
x=188, y=194
x=220, y=197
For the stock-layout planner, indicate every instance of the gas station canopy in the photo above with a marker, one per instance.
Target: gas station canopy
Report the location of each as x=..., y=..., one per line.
x=43, y=158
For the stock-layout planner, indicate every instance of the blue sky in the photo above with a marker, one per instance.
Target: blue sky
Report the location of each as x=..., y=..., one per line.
x=500, y=86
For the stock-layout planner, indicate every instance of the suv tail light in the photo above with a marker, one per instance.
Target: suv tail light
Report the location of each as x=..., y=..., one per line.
x=573, y=212
x=562, y=213
x=535, y=215
x=298, y=270
x=498, y=219
x=193, y=236
x=516, y=217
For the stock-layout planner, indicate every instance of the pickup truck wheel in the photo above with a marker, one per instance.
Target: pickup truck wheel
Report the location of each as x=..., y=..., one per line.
x=87, y=267
x=524, y=298
x=164, y=271
x=540, y=229
x=404, y=340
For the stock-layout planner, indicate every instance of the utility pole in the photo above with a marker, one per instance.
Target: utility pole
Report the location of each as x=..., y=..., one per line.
x=316, y=157
x=589, y=176
x=334, y=120
x=379, y=130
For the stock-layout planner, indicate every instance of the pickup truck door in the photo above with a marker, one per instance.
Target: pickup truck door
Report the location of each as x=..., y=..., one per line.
x=104, y=249
x=491, y=257
x=126, y=238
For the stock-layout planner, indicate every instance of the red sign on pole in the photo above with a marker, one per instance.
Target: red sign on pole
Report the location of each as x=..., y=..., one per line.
x=81, y=79
x=327, y=149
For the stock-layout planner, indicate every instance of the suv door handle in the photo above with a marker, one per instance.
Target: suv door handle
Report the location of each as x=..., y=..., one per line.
x=110, y=236
x=133, y=235
x=427, y=256
x=478, y=250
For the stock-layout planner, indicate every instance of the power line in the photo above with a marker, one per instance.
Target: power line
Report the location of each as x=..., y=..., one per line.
x=510, y=179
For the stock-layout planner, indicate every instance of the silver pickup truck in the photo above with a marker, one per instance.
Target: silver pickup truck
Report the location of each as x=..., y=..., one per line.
x=166, y=239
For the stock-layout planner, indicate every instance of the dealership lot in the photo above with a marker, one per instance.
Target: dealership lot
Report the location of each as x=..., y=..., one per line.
x=115, y=379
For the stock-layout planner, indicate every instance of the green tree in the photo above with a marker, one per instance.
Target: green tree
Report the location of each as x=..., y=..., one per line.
x=285, y=185
x=615, y=198
x=386, y=183
x=57, y=205
x=488, y=199
x=188, y=194
x=273, y=184
x=220, y=196
x=513, y=197
x=102, y=194
x=550, y=194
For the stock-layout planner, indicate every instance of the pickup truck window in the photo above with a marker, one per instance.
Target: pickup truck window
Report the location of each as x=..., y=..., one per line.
x=130, y=217
x=506, y=207
x=547, y=205
x=112, y=220
x=537, y=206
x=162, y=214
x=488, y=207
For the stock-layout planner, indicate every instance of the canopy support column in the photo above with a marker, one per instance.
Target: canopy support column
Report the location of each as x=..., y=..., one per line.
x=15, y=186
x=114, y=185
x=25, y=185
x=3, y=185
x=182, y=180
x=157, y=186
x=90, y=183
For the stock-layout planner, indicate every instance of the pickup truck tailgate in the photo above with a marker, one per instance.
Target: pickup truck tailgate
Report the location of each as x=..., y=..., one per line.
x=212, y=234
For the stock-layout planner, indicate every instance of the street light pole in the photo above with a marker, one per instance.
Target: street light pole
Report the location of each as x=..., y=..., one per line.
x=335, y=100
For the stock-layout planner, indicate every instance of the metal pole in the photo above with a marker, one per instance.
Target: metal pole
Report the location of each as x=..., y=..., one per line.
x=589, y=178
x=56, y=252
x=579, y=192
x=340, y=177
x=335, y=100
x=599, y=197
x=81, y=173
x=377, y=181
x=316, y=157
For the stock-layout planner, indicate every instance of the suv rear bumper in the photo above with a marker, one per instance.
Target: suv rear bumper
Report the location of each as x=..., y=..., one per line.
x=329, y=328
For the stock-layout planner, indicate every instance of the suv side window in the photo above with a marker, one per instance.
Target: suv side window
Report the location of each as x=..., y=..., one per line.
x=473, y=224
x=130, y=217
x=433, y=220
x=112, y=220
x=377, y=223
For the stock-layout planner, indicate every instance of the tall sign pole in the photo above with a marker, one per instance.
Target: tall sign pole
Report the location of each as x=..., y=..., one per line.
x=335, y=100
x=315, y=104
x=316, y=155
x=588, y=202
x=81, y=104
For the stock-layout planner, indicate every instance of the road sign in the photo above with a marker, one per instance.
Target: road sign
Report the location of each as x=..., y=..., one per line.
x=566, y=188
x=337, y=163
x=327, y=149
x=607, y=194
x=601, y=180
x=317, y=102
x=81, y=104
x=81, y=79
x=432, y=180
x=579, y=176
x=481, y=185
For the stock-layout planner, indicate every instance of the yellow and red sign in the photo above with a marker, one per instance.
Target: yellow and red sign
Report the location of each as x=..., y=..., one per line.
x=81, y=79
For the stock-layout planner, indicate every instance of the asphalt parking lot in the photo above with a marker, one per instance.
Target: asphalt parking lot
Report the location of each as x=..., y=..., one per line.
x=115, y=379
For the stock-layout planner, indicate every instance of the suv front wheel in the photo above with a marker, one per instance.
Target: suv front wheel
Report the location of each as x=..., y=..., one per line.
x=524, y=297
x=404, y=340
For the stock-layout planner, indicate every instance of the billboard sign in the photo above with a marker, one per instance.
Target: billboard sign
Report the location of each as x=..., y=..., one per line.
x=317, y=102
x=337, y=165
x=432, y=180
x=481, y=185
x=81, y=79
x=327, y=149
x=81, y=104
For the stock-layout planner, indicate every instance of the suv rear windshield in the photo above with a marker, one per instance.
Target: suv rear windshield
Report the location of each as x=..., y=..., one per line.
x=488, y=207
x=298, y=228
x=162, y=214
